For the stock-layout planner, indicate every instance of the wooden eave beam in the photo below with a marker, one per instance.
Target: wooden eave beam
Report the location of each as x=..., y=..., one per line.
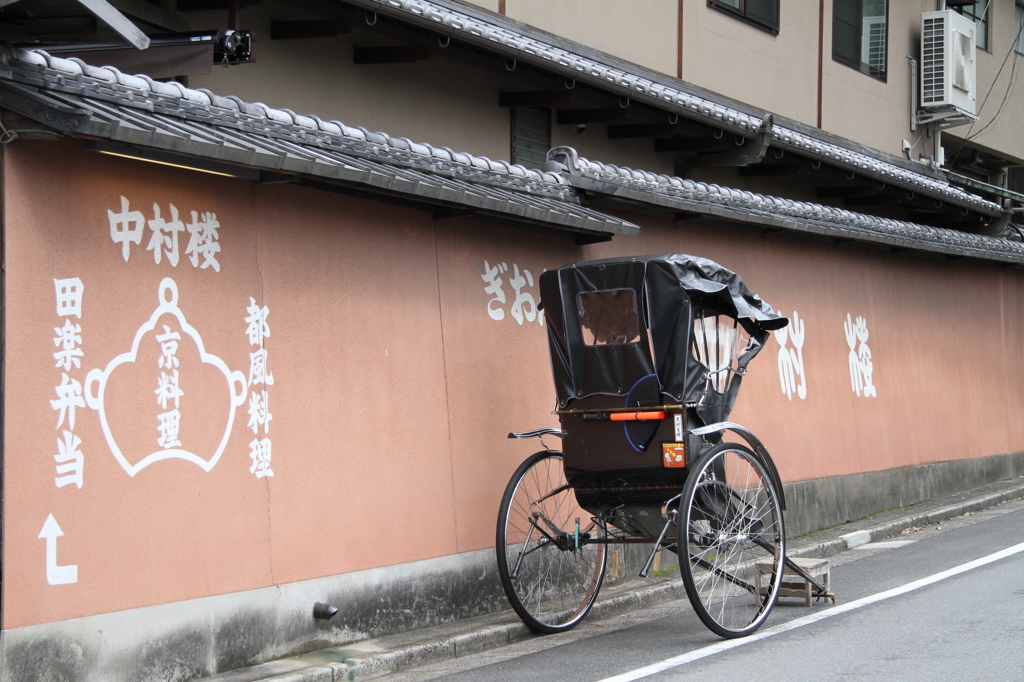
x=640, y=130
x=843, y=192
x=873, y=200
x=54, y=28
x=153, y=15
x=535, y=98
x=687, y=144
x=392, y=55
x=313, y=28
x=573, y=116
x=770, y=169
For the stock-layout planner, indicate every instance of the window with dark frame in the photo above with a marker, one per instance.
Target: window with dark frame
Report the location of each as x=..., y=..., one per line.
x=860, y=35
x=980, y=13
x=761, y=13
x=531, y=136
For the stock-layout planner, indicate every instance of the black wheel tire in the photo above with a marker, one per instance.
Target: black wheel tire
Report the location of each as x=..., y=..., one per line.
x=731, y=523
x=551, y=578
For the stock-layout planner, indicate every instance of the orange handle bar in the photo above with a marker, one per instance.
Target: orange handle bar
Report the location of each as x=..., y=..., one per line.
x=635, y=416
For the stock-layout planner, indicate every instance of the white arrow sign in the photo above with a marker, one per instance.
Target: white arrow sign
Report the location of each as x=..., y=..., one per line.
x=56, y=575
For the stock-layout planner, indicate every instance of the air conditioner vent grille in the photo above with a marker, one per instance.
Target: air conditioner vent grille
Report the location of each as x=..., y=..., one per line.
x=933, y=67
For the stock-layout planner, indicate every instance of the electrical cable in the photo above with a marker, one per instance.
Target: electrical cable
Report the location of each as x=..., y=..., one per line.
x=1006, y=94
x=1012, y=50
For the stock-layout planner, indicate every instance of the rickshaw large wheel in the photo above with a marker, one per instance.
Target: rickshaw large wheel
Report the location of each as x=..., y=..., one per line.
x=731, y=522
x=549, y=564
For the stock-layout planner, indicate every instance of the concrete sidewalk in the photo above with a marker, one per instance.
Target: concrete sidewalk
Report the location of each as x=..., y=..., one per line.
x=375, y=657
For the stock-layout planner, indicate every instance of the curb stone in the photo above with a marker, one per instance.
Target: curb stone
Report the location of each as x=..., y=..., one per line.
x=377, y=657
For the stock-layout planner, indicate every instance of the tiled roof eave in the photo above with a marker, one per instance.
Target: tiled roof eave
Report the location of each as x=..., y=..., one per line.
x=740, y=206
x=126, y=114
x=520, y=42
x=255, y=126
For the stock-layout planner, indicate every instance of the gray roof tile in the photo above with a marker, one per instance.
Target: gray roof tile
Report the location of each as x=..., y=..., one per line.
x=748, y=207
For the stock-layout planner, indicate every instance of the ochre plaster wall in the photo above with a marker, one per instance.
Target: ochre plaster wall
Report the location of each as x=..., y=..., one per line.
x=399, y=365
x=939, y=336
x=394, y=389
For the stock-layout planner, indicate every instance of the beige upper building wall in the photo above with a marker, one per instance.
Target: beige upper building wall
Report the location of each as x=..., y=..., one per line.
x=440, y=102
x=450, y=103
x=643, y=32
x=863, y=108
x=748, y=64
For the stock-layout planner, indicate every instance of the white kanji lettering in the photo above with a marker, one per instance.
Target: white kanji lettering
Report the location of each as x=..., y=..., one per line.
x=258, y=328
x=525, y=305
x=258, y=373
x=168, y=389
x=70, y=461
x=170, y=423
x=203, y=242
x=260, y=454
x=69, y=396
x=791, y=360
x=126, y=227
x=69, y=297
x=168, y=347
x=165, y=236
x=493, y=287
x=67, y=339
x=861, y=367
x=259, y=411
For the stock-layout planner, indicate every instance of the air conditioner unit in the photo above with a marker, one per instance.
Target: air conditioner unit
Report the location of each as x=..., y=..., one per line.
x=948, y=68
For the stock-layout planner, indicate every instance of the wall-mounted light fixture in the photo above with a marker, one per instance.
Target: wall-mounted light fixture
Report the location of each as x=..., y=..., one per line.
x=163, y=158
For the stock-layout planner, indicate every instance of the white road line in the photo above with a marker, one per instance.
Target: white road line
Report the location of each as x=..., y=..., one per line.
x=727, y=644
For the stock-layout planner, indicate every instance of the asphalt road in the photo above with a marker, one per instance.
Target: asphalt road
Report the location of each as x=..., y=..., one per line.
x=967, y=623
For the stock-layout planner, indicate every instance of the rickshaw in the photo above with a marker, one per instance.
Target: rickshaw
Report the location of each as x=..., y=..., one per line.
x=647, y=355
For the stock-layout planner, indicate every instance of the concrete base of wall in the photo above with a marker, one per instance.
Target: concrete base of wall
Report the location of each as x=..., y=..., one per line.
x=825, y=502
x=197, y=638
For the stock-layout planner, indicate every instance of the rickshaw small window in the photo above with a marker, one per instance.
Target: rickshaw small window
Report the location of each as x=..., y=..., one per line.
x=609, y=317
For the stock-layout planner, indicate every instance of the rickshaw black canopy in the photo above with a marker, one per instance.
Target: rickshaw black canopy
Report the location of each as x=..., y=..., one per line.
x=614, y=322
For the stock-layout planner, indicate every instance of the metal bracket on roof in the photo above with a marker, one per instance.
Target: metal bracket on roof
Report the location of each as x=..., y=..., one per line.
x=748, y=155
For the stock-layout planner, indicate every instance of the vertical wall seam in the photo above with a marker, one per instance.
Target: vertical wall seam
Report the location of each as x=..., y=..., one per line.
x=447, y=385
x=263, y=343
x=821, y=53
x=3, y=381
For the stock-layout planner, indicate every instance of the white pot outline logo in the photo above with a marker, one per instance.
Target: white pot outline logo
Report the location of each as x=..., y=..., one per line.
x=168, y=297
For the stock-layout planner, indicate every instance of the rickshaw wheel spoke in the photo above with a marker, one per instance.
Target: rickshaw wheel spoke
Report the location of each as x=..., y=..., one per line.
x=730, y=519
x=550, y=582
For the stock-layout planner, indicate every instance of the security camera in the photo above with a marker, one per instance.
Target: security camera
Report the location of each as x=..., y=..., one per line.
x=580, y=127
